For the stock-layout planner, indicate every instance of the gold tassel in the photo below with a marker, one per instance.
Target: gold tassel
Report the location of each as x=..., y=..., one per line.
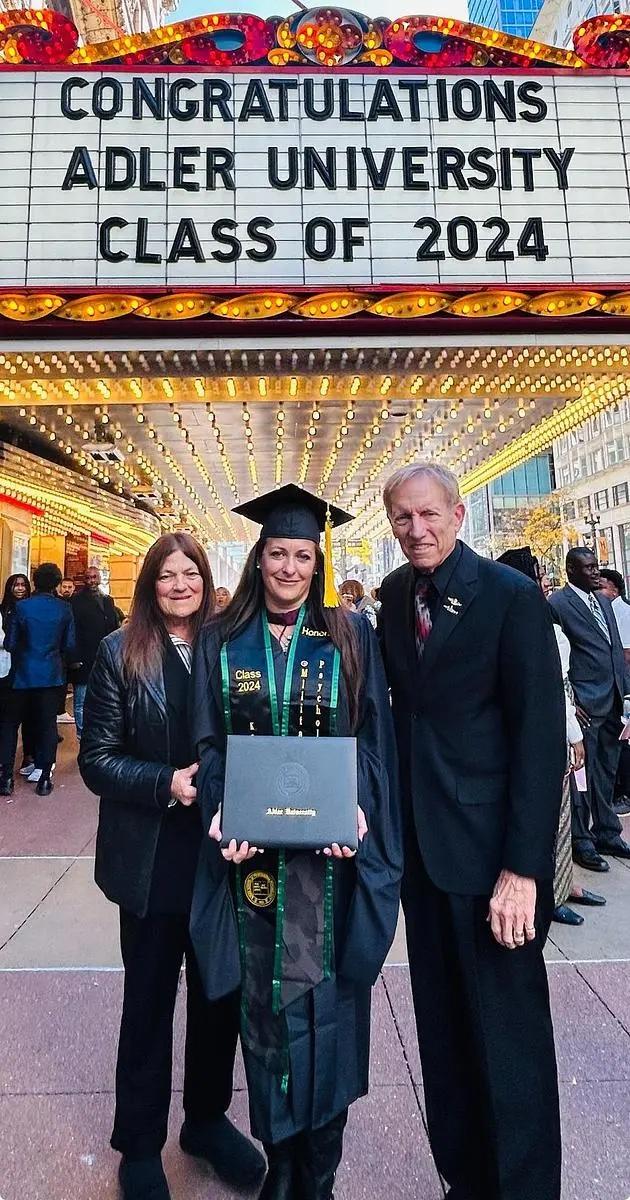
x=331, y=596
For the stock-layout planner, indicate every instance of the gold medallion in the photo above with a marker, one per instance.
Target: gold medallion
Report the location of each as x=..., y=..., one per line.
x=260, y=889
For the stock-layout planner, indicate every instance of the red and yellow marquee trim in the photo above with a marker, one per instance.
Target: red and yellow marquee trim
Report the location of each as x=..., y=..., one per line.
x=410, y=304
x=320, y=37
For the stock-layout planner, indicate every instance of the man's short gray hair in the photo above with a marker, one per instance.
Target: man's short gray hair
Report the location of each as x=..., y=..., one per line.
x=440, y=475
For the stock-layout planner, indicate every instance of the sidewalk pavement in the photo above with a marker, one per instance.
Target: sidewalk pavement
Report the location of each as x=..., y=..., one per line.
x=60, y=996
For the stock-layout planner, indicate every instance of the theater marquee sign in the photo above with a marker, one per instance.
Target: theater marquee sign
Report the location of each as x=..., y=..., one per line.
x=262, y=178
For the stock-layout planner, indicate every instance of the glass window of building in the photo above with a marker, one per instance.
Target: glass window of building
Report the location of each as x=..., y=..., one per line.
x=615, y=451
x=584, y=506
x=620, y=493
x=601, y=500
x=624, y=544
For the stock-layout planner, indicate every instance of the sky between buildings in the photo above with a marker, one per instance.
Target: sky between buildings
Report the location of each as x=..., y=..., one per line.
x=267, y=8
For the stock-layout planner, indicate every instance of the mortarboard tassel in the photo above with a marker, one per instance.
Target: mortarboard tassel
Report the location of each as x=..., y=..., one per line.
x=331, y=596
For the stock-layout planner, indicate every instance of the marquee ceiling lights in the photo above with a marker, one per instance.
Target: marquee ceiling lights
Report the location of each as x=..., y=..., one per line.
x=404, y=305
x=328, y=37
x=200, y=430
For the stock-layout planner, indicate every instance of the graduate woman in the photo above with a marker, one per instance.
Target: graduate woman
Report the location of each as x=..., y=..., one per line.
x=303, y=933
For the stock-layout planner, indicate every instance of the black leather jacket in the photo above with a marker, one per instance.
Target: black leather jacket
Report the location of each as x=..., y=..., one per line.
x=124, y=759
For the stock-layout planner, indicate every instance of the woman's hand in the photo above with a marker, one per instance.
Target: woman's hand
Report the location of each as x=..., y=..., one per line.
x=232, y=853
x=182, y=786
x=337, y=851
x=576, y=755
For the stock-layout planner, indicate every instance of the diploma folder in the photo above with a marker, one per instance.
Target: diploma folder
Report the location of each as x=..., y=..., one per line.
x=293, y=793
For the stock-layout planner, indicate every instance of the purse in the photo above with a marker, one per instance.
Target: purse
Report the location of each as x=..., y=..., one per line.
x=5, y=662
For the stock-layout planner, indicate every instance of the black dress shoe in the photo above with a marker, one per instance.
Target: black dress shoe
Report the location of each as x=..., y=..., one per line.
x=143, y=1179
x=566, y=916
x=44, y=787
x=234, y=1158
x=6, y=784
x=591, y=899
x=622, y=806
x=590, y=860
x=617, y=848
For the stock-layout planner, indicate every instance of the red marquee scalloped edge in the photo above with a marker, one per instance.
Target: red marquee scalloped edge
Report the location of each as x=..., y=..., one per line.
x=331, y=305
x=321, y=37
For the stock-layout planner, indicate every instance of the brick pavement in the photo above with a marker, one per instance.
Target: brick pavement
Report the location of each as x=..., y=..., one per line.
x=60, y=988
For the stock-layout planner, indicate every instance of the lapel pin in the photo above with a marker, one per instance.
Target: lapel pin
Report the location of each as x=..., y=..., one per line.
x=449, y=608
x=454, y=601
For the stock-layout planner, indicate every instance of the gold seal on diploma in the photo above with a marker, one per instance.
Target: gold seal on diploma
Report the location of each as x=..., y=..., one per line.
x=260, y=889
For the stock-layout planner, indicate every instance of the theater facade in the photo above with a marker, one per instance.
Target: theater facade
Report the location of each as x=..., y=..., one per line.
x=236, y=252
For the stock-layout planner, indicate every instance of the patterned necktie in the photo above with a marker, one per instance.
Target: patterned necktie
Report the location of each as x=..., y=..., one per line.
x=596, y=610
x=424, y=621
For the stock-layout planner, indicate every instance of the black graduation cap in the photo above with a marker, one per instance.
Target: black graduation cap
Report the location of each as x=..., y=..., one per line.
x=292, y=512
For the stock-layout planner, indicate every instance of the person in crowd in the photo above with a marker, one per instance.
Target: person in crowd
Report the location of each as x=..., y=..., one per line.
x=40, y=641
x=305, y=1014
x=223, y=597
x=16, y=588
x=375, y=594
x=353, y=597
x=94, y=616
x=546, y=584
x=612, y=584
x=66, y=589
x=600, y=679
x=136, y=753
x=479, y=714
x=564, y=887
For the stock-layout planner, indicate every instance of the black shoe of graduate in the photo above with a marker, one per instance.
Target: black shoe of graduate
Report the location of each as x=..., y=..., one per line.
x=591, y=899
x=234, y=1158
x=6, y=783
x=143, y=1179
x=566, y=916
x=45, y=786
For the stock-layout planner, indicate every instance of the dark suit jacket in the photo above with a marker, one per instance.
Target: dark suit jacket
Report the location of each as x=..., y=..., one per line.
x=93, y=623
x=41, y=641
x=480, y=724
x=597, y=669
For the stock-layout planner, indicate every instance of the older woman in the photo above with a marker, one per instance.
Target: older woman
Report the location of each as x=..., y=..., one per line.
x=137, y=755
x=305, y=933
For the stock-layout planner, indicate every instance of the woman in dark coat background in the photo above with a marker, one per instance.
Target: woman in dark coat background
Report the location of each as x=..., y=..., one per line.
x=40, y=641
x=137, y=755
x=16, y=588
x=306, y=934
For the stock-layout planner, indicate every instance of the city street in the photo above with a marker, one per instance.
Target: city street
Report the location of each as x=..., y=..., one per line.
x=60, y=991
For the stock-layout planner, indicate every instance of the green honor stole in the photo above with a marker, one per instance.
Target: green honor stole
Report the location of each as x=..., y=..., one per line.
x=284, y=900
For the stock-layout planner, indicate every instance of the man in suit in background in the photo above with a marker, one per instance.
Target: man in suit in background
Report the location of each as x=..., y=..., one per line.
x=94, y=616
x=41, y=642
x=479, y=711
x=600, y=679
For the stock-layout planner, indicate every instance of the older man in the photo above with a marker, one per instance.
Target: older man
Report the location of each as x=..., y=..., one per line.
x=480, y=720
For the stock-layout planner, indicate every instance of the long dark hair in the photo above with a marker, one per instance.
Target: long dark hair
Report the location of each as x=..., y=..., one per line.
x=8, y=600
x=145, y=633
x=249, y=599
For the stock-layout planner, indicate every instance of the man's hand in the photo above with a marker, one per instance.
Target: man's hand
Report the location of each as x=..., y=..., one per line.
x=582, y=717
x=182, y=787
x=512, y=910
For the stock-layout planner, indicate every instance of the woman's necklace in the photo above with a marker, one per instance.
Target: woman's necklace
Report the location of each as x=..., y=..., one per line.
x=285, y=622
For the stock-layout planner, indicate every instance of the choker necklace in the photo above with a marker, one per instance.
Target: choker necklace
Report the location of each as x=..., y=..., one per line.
x=285, y=619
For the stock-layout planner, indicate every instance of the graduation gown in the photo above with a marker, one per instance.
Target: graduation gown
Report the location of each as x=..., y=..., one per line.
x=328, y=1027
